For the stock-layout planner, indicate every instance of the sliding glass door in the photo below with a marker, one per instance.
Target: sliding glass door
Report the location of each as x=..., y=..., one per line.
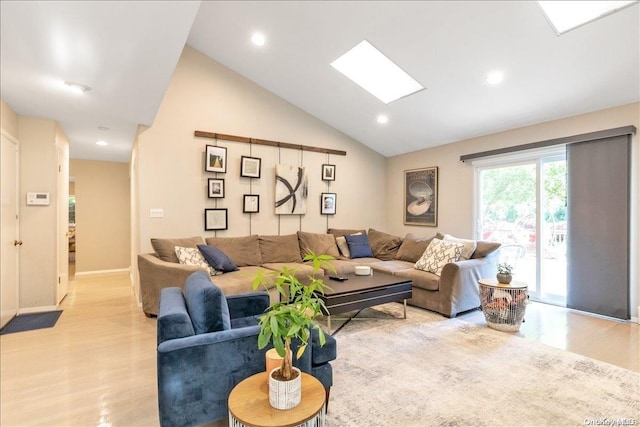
x=522, y=204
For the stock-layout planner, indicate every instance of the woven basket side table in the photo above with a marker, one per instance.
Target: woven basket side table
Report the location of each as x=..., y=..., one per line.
x=503, y=305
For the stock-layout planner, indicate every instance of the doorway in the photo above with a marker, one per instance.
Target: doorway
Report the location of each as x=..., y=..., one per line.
x=522, y=204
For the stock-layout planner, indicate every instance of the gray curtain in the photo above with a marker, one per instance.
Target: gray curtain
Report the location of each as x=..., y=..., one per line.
x=598, y=226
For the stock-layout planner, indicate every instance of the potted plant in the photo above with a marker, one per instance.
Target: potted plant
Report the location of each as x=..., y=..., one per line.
x=289, y=319
x=504, y=275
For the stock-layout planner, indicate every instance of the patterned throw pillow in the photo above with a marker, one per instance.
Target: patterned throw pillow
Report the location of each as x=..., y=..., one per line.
x=192, y=256
x=438, y=254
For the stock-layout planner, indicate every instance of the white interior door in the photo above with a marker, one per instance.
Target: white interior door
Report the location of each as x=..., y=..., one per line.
x=63, y=220
x=9, y=234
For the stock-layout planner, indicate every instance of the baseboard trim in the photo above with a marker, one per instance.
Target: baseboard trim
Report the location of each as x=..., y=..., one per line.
x=102, y=272
x=42, y=309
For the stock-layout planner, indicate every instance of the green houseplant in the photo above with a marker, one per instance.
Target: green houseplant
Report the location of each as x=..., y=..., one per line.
x=292, y=317
x=504, y=273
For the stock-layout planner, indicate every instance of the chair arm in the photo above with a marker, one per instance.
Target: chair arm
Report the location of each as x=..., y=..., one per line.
x=197, y=373
x=156, y=274
x=249, y=304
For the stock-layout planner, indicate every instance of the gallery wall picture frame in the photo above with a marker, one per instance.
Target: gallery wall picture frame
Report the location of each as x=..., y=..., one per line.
x=215, y=219
x=216, y=188
x=251, y=203
x=216, y=159
x=421, y=197
x=250, y=166
x=328, y=172
x=328, y=203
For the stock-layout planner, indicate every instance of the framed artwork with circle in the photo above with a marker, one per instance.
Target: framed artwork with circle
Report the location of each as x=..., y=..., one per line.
x=421, y=197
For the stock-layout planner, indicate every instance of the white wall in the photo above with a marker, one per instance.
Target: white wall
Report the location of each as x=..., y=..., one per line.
x=204, y=95
x=456, y=179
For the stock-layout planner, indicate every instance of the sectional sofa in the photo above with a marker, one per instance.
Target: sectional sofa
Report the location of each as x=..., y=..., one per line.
x=453, y=291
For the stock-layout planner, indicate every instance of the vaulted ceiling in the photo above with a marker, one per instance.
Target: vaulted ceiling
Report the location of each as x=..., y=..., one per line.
x=127, y=51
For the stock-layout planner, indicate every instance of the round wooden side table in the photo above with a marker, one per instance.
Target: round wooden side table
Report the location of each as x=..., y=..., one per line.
x=249, y=405
x=503, y=305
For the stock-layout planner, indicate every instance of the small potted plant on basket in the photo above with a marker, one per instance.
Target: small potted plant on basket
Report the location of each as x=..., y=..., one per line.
x=504, y=275
x=291, y=318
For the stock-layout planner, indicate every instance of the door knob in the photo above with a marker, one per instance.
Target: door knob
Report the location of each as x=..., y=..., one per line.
x=17, y=243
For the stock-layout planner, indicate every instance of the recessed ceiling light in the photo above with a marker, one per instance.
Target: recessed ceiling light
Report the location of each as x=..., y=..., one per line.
x=495, y=77
x=375, y=73
x=382, y=119
x=258, y=39
x=567, y=15
x=77, y=87
x=102, y=143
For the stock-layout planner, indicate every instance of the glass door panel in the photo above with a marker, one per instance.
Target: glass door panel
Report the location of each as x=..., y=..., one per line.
x=508, y=205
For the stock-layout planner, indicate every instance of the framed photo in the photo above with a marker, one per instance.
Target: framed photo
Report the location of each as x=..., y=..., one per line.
x=251, y=203
x=216, y=188
x=215, y=219
x=421, y=197
x=250, y=167
x=216, y=159
x=328, y=172
x=328, y=203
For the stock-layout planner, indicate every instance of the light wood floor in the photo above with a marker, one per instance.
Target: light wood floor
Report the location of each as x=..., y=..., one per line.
x=97, y=366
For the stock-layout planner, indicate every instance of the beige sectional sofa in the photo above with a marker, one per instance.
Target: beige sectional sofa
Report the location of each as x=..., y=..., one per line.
x=454, y=291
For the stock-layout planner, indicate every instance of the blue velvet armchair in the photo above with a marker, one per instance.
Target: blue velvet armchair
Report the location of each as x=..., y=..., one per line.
x=208, y=343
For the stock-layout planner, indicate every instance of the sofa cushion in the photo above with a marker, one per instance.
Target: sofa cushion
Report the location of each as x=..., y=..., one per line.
x=391, y=266
x=242, y=250
x=241, y=281
x=420, y=279
x=359, y=246
x=384, y=246
x=412, y=247
x=318, y=243
x=280, y=248
x=165, y=248
x=469, y=245
x=484, y=248
x=438, y=254
x=217, y=259
x=207, y=305
x=192, y=256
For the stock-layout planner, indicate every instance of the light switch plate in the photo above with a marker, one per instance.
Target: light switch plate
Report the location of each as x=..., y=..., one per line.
x=156, y=213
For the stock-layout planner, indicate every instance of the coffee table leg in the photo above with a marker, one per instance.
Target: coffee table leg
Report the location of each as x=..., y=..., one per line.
x=329, y=323
x=405, y=308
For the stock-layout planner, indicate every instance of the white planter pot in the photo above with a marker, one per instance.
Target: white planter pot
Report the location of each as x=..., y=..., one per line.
x=285, y=394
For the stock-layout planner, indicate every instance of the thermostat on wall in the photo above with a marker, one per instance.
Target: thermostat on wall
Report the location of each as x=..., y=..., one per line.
x=38, y=199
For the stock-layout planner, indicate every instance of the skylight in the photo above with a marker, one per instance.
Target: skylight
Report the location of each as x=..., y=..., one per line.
x=567, y=15
x=375, y=73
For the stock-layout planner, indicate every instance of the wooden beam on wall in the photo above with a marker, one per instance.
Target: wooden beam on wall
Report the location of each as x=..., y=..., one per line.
x=212, y=135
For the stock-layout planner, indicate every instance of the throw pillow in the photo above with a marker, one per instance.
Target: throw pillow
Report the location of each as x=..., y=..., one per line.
x=413, y=247
x=341, y=241
x=217, y=259
x=192, y=256
x=359, y=246
x=438, y=254
x=383, y=245
x=469, y=245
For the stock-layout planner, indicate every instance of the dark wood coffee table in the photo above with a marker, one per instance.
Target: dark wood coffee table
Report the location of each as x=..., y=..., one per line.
x=360, y=292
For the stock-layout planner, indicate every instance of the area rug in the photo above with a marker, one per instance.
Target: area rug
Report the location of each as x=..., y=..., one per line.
x=428, y=370
x=30, y=322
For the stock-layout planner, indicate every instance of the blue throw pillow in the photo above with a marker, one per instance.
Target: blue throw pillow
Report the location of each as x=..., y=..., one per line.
x=359, y=246
x=217, y=259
